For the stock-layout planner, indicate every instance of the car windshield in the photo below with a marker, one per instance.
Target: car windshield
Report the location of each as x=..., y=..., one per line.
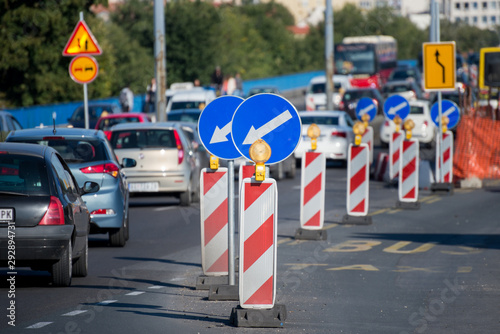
x=320, y=88
x=321, y=120
x=74, y=150
x=357, y=94
x=403, y=75
x=416, y=110
x=396, y=88
x=144, y=138
x=254, y=91
x=107, y=123
x=184, y=117
x=22, y=174
x=188, y=105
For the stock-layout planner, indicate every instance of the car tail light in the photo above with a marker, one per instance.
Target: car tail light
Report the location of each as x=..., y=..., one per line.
x=108, y=168
x=8, y=171
x=180, y=149
x=386, y=123
x=336, y=133
x=341, y=105
x=103, y=212
x=54, y=214
x=375, y=102
x=108, y=134
x=426, y=124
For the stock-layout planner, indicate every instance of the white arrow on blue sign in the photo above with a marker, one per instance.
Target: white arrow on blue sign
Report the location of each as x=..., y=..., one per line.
x=448, y=109
x=396, y=105
x=214, y=127
x=269, y=117
x=366, y=106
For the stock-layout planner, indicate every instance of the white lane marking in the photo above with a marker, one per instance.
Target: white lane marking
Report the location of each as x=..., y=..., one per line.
x=165, y=208
x=106, y=302
x=39, y=325
x=135, y=293
x=73, y=313
x=155, y=287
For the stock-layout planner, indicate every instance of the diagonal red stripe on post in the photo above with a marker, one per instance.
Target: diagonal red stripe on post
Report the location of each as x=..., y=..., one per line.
x=221, y=265
x=210, y=179
x=215, y=222
x=312, y=188
x=310, y=157
x=360, y=207
x=314, y=221
x=409, y=169
x=355, y=151
x=258, y=243
x=248, y=171
x=410, y=194
x=264, y=295
x=357, y=179
x=254, y=191
x=446, y=155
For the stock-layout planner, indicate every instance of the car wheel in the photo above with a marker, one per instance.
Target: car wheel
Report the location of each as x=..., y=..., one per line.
x=185, y=198
x=117, y=237
x=81, y=266
x=62, y=269
x=127, y=227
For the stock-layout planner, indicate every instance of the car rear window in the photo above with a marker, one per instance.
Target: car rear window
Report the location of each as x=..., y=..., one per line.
x=147, y=138
x=321, y=120
x=181, y=117
x=357, y=94
x=188, y=105
x=319, y=88
x=416, y=110
x=23, y=174
x=74, y=150
x=107, y=123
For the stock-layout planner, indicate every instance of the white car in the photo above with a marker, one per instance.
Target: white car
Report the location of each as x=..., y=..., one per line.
x=316, y=91
x=197, y=97
x=336, y=133
x=424, y=130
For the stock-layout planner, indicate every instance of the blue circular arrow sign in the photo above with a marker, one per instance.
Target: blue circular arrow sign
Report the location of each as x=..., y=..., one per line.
x=214, y=127
x=396, y=105
x=366, y=106
x=448, y=109
x=269, y=117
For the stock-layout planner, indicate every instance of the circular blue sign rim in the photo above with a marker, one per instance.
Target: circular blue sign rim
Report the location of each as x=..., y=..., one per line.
x=435, y=106
x=405, y=109
x=371, y=114
x=224, y=110
x=280, y=99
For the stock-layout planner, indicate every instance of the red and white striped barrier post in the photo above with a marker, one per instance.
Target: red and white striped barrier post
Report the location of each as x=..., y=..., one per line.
x=445, y=175
x=367, y=138
x=408, y=170
x=394, y=151
x=214, y=227
x=358, y=180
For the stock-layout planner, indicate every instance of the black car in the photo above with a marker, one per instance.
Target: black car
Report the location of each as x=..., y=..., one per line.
x=96, y=110
x=352, y=96
x=44, y=222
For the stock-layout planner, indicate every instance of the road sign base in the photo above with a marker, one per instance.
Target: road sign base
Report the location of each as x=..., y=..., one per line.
x=274, y=317
x=204, y=282
x=356, y=220
x=303, y=234
x=443, y=187
x=224, y=292
x=408, y=205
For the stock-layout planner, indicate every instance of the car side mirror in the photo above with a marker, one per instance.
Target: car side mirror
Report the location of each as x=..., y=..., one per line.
x=90, y=187
x=129, y=163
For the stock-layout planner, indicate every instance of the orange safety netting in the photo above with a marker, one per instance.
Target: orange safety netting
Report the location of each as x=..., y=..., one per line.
x=477, y=148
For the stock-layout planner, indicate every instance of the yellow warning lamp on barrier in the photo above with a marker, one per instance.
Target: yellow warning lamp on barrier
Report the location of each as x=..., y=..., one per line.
x=214, y=162
x=358, y=129
x=365, y=118
x=408, y=125
x=444, y=122
x=398, y=121
x=313, y=132
x=260, y=152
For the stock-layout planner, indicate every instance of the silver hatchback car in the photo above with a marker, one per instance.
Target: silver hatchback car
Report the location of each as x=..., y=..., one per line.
x=165, y=159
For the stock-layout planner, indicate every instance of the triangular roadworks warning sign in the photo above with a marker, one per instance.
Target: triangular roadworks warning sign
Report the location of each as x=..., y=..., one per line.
x=82, y=42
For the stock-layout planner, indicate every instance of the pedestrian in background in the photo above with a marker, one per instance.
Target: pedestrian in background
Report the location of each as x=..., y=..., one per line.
x=126, y=99
x=151, y=96
x=217, y=80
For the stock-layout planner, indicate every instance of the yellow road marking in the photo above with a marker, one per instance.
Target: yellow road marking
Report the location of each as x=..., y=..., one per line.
x=394, y=211
x=464, y=270
x=437, y=199
x=378, y=212
x=282, y=241
x=297, y=242
x=427, y=198
x=300, y=266
x=329, y=226
x=406, y=269
x=366, y=267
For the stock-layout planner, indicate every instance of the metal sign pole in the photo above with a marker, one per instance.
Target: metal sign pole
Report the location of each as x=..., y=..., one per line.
x=230, y=208
x=86, y=105
x=440, y=97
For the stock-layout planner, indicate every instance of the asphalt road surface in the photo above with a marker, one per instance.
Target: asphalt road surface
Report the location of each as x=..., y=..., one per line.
x=433, y=270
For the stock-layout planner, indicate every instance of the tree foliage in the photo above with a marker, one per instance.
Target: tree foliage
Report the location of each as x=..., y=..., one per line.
x=251, y=39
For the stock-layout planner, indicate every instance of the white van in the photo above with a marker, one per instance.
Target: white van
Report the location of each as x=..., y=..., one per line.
x=197, y=97
x=316, y=91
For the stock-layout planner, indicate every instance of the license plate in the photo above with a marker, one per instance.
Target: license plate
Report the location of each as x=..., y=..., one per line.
x=144, y=187
x=6, y=215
